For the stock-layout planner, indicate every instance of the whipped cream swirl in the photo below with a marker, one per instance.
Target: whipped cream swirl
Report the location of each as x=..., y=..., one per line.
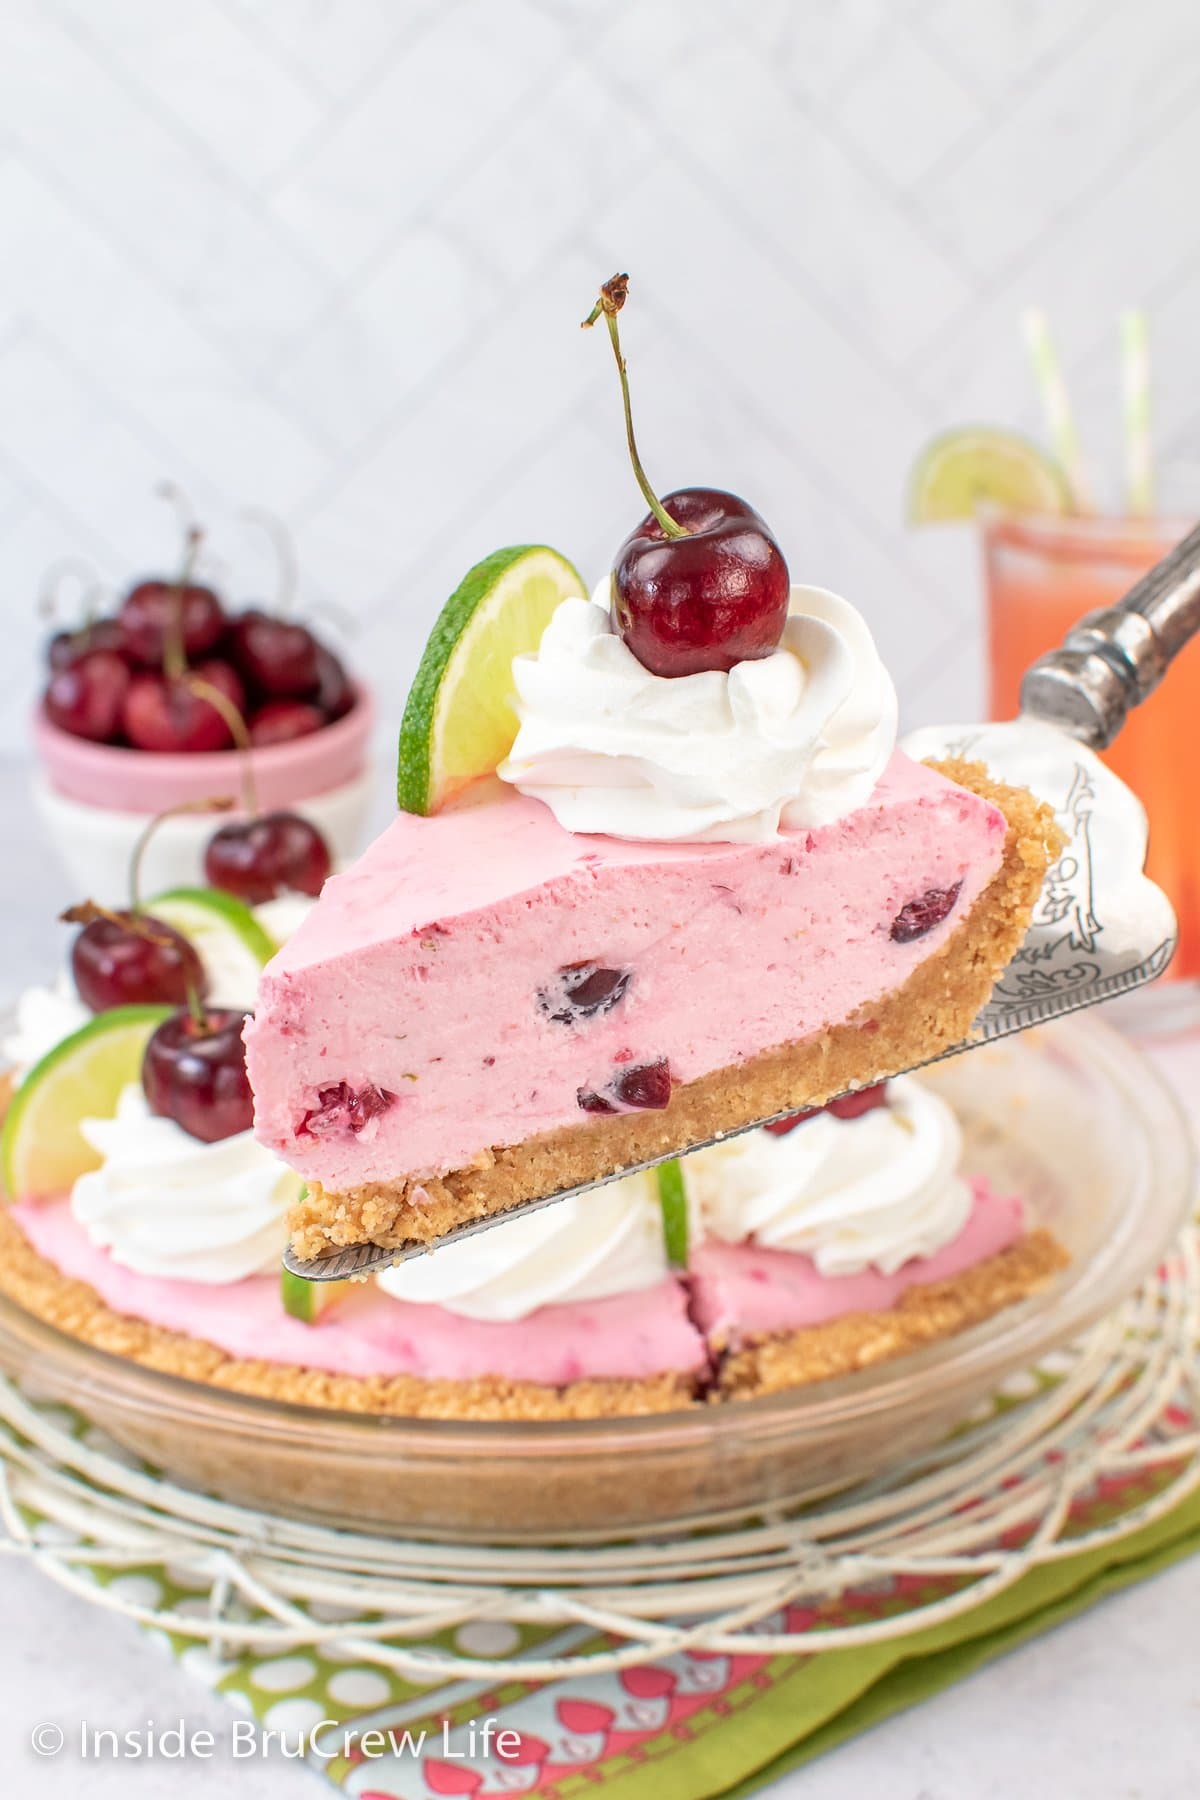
x=853, y=1194
x=45, y=1016
x=586, y=1248
x=163, y=1203
x=798, y=738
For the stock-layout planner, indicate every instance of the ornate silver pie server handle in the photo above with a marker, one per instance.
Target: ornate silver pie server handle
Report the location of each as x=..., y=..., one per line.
x=1100, y=926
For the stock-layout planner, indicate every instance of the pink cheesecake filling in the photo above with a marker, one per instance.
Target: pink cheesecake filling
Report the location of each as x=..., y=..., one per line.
x=627, y=1336
x=741, y=1292
x=482, y=976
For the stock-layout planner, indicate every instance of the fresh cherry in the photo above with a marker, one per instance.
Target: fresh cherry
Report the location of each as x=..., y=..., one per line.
x=260, y=858
x=276, y=656
x=335, y=691
x=280, y=721
x=194, y=1072
x=923, y=913
x=132, y=959
x=166, y=713
x=152, y=610
x=87, y=697
x=714, y=597
x=700, y=583
x=66, y=647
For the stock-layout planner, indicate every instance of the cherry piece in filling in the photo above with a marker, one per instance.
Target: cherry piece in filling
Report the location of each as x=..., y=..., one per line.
x=847, y=1106
x=87, y=696
x=132, y=959
x=701, y=583
x=260, y=858
x=582, y=990
x=923, y=913
x=645, y=1087
x=195, y=1073
x=341, y=1107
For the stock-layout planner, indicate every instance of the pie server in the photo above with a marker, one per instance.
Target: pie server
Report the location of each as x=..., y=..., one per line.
x=1100, y=927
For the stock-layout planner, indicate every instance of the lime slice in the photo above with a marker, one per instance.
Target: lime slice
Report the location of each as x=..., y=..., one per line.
x=228, y=939
x=41, y=1148
x=307, y=1300
x=672, y=1198
x=979, y=465
x=459, y=721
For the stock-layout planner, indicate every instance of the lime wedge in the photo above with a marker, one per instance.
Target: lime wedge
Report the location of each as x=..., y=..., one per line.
x=672, y=1198
x=307, y=1300
x=980, y=465
x=459, y=721
x=228, y=939
x=41, y=1148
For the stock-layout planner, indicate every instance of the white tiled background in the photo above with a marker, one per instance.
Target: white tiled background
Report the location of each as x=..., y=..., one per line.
x=328, y=257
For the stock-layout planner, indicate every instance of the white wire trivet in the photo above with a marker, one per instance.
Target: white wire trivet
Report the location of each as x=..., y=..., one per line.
x=990, y=1504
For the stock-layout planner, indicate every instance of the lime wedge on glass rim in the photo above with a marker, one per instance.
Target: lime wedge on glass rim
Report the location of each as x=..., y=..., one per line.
x=459, y=721
x=980, y=465
x=42, y=1150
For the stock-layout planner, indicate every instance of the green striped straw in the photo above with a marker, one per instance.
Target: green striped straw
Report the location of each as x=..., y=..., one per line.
x=1060, y=421
x=1135, y=383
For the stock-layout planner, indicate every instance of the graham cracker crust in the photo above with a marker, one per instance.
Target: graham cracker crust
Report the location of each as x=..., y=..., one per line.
x=932, y=1310
x=924, y=1313
x=932, y=1011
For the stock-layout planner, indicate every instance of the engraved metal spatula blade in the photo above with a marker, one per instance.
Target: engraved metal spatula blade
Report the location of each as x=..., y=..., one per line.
x=1101, y=927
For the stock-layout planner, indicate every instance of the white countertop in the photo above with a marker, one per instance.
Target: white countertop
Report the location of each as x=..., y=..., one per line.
x=1108, y=1705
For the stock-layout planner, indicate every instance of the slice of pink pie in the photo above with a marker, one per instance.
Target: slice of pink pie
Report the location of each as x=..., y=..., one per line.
x=488, y=1007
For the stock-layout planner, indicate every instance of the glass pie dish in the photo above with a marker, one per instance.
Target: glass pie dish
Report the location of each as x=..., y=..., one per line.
x=1071, y=1117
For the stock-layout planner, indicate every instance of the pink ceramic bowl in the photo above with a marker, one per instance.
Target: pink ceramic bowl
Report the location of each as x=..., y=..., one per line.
x=95, y=799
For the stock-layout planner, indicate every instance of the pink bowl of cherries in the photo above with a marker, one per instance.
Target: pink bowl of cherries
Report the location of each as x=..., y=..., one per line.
x=158, y=704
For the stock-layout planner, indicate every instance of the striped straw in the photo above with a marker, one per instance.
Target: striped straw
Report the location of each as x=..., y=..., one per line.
x=1135, y=383
x=1060, y=421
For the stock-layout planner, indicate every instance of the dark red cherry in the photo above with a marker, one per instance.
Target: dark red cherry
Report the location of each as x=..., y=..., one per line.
x=133, y=959
x=276, y=656
x=279, y=721
x=66, y=647
x=923, y=913
x=258, y=859
x=335, y=691
x=87, y=697
x=194, y=1072
x=165, y=713
x=715, y=597
x=149, y=612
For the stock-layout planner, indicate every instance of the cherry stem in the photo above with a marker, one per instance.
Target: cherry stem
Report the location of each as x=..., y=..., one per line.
x=612, y=299
x=90, y=590
x=198, y=1015
x=287, y=569
x=218, y=803
x=174, y=644
x=238, y=731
